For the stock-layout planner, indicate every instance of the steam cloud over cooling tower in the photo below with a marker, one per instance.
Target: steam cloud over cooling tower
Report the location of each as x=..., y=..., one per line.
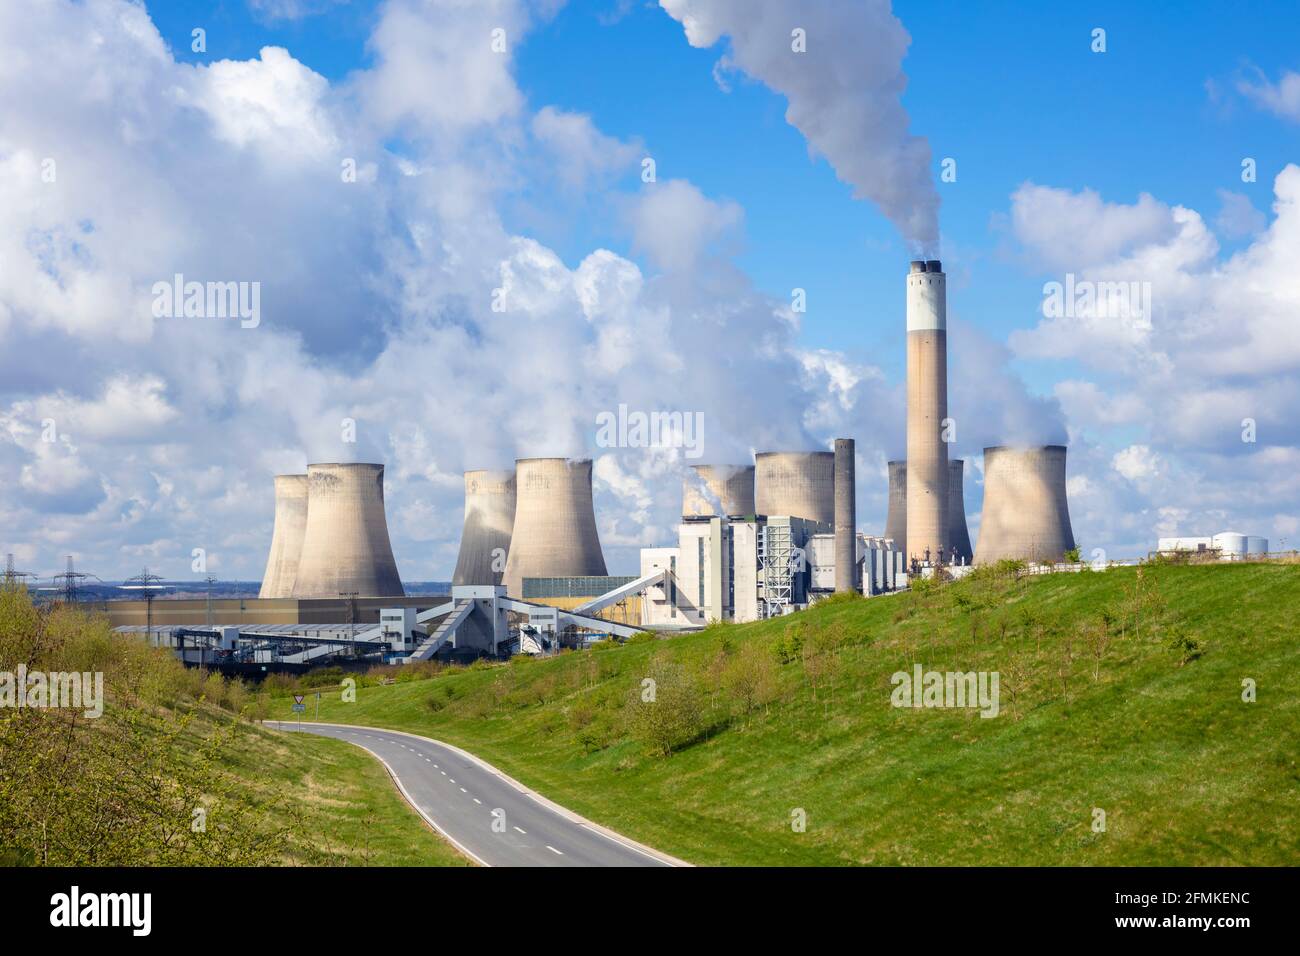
x=927, y=407
x=896, y=520
x=555, y=523
x=846, y=516
x=489, y=518
x=1026, y=516
x=958, y=536
x=286, y=539
x=797, y=483
x=729, y=487
x=345, y=547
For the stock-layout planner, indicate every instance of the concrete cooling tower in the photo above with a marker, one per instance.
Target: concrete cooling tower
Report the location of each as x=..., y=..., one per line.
x=345, y=548
x=555, y=523
x=1025, y=515
x=958, y=536
x=801, y=484
x=927, y=407
x=846, y=516
x=489, y=518
x=896, y=520
x=286, y=539
x=710, y=487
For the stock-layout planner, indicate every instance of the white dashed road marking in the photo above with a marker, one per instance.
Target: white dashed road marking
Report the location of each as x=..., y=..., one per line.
x=554, y=850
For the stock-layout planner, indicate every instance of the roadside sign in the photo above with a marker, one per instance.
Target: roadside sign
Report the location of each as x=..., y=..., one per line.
x=297, y=698
x=299, y=708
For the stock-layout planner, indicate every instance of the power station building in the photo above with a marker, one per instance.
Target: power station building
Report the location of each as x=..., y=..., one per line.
x=554, y=532
x=1026, y=516
x=345, y=546
x=800, y=484
x=286, y=538
x=489, y=521
x=718, y=490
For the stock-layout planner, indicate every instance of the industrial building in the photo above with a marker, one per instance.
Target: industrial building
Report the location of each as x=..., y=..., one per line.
x=1226, y=546
x=286, y=539
x=554, y=532
x=798, y=484
x=1026, y=516
x=959, y=549
x=345, y=546
x=489, y=521
x=718, y=490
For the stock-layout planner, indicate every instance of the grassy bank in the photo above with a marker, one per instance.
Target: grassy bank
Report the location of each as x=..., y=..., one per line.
x=1120, y=691
x=175, y=770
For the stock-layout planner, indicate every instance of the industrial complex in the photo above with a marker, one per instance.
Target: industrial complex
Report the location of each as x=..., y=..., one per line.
x=756, y=539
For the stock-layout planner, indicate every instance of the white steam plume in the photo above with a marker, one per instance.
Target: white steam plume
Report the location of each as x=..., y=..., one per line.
x=843, y=92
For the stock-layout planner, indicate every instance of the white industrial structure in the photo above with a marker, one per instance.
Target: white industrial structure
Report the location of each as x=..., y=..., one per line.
x=1227, y=545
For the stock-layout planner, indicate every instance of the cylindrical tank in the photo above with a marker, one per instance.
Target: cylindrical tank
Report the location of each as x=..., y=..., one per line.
x=286, y=538
x=927, y=407
x=1026, y=516
x=345, y=547
x=846, y=516
x=796, y=483
x=896, y=520
x=959, y=549
x=712, y=487
x=1230, y=544
x=489, y=518
x=1256, y=545
x=555, y=523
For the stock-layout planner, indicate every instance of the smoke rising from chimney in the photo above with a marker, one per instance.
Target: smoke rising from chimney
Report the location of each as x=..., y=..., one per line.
x=844, y=93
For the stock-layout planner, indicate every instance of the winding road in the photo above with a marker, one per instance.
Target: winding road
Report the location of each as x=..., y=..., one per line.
x=488, y=816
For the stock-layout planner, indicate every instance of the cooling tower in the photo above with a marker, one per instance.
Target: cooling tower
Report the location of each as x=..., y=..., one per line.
x=345, y=548
x=846, y=516
x=801, y=484
x=729, y=487
x=896, y=520
x=1025, y=515
x=555, y=523
x=489, y=517
x=927, y=407
x=959, y=549
x=286, y=539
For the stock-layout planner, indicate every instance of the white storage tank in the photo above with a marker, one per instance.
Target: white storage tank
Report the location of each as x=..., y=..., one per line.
x=1230, y=544
x=1256, y=545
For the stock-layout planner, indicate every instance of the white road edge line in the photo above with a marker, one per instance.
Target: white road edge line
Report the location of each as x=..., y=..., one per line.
x=534, y=795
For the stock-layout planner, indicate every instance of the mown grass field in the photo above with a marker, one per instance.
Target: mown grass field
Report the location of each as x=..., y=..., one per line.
x=1120, y=691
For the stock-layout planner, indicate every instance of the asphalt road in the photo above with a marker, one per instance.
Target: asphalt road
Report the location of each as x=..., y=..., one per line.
x=484, y=813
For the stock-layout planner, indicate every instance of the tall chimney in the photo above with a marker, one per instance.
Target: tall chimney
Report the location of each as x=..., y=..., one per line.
x=927, y=407
x=846, y=517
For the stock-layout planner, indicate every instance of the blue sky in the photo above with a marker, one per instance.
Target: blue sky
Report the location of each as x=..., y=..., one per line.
x=1122, y=165
x=1011, y=97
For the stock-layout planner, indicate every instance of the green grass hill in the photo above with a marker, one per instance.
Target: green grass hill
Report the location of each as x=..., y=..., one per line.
x=1122, y=692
